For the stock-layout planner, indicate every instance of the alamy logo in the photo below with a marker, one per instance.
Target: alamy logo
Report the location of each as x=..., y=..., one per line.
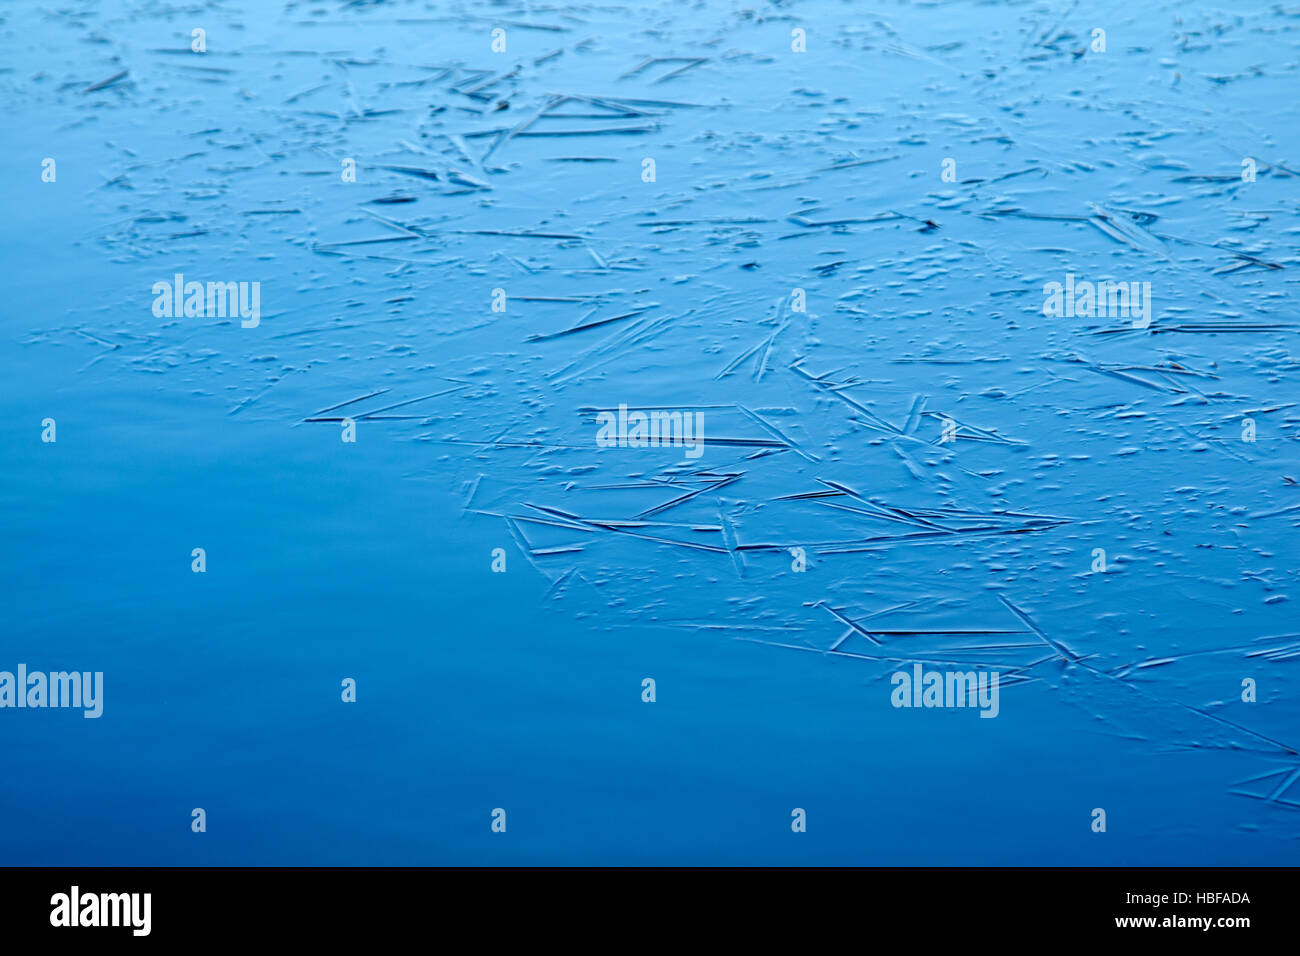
x=923, y=688
x=658, y=426
x=1105, y=299
x=56, y=689
x=215, y=300
x=102, y=909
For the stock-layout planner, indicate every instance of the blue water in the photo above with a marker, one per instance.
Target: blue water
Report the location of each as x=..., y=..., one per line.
x=775, y=170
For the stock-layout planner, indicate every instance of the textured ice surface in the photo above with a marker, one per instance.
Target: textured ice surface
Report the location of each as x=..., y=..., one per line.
x=476, y=430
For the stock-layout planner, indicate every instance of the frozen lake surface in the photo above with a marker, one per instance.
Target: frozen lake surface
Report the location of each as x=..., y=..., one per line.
x=905, y=460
